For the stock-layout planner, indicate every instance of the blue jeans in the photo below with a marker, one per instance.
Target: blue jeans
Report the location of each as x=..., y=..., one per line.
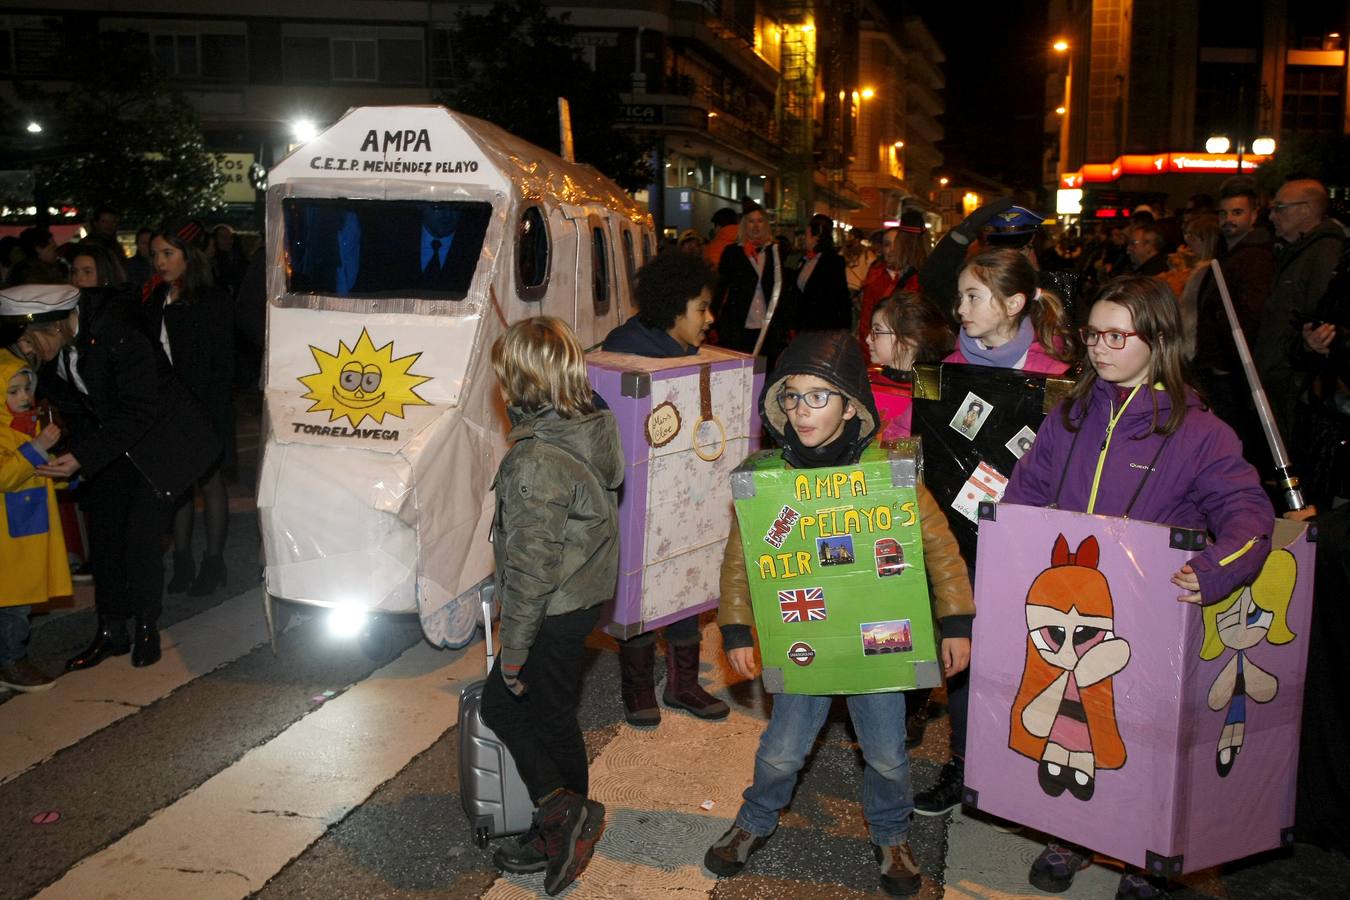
x=879, y=720
x=13, y=633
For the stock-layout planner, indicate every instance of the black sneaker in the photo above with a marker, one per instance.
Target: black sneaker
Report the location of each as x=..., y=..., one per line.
x=1137, y=886
x=523, y=855
x=1054, y=869
x=899, y=872
x=944, y=796
x=732, y=851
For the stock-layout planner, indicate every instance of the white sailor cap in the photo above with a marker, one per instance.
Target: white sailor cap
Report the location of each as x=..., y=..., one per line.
x=37, y=302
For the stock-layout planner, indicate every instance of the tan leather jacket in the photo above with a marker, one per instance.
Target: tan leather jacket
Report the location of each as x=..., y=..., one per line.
x=949, y=582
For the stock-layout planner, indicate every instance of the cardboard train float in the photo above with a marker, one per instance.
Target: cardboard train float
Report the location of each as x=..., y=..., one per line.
x=401, y=242
x=1104, y=711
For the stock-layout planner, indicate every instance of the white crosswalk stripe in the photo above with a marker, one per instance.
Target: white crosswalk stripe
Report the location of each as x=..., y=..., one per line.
x=35, y=726
x=229, y=836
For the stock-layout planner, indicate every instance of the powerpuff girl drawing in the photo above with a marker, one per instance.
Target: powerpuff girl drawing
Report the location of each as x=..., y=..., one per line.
x=1064, y=714
x=1240, y=622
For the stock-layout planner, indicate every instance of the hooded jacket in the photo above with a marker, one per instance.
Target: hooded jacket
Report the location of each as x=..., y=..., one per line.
x=834, y=357
x=32, y=546
x=555, y=533
x=1194, y=478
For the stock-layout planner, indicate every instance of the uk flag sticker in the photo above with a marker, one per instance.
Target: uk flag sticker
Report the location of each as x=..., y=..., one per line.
x=802, y=605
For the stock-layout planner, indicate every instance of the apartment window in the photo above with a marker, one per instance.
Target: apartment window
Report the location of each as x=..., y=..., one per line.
x=176, y=54
x=354, y=60
x=1312, y=99
x=402, y=61
x=224, y=57
x=306, y=58
x=191, y=49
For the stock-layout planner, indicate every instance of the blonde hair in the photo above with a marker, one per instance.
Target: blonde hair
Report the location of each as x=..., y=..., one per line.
x=539, y=362
x=1272, y=591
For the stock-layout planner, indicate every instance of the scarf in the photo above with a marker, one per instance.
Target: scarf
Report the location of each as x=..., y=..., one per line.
x=1004, y=357
x=836, y=453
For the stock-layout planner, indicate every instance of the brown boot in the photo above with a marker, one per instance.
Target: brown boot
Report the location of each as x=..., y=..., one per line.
x=637, y=682
x=682, y=688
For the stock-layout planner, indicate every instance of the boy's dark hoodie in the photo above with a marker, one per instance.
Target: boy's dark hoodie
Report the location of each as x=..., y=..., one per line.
x=834, y=356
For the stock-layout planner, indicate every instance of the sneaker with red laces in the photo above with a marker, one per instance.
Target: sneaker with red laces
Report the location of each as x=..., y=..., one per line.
x=22, y=675
x=899, y=872
x=732, y=851
x=570, y=826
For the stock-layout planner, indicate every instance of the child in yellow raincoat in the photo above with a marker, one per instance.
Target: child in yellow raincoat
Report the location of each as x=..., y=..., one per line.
x=33, y=564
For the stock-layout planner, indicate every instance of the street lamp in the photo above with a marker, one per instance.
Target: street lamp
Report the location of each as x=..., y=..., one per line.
x=1061, y=46
x=1217, y=144
x=1059, y=110
x=943, y=181
x=868, y=93
x=304, y=130
x=1263, y=146
x=34, y=128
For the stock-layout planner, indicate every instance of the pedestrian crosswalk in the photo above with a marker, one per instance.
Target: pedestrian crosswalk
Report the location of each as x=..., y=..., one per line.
x=225, y=772
x=35, y=726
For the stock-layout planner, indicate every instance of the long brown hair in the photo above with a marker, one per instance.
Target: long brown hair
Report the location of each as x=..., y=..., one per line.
x=914, y=319
x=197, y=278
x=1007, y=272
x=1158, y=324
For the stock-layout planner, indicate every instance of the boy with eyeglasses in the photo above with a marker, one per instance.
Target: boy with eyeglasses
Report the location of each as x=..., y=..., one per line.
x=819, y=407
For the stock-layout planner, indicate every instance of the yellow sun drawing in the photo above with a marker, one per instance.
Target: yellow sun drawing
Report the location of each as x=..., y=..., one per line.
x=362, y=382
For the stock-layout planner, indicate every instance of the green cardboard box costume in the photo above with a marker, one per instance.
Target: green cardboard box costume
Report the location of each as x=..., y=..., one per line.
x=834, y=559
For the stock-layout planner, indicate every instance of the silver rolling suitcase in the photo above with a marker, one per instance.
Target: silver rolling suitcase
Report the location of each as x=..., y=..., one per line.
x=490, y=788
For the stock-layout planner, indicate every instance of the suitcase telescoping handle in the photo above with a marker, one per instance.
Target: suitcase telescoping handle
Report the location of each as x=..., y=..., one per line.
x=486, y=595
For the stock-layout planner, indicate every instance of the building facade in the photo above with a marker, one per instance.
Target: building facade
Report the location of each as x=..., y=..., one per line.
x=736, y=98
x=1140, y=78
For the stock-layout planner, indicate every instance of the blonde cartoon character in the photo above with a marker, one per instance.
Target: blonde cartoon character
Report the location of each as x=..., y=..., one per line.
x=1064, y=714
x=1239, y=622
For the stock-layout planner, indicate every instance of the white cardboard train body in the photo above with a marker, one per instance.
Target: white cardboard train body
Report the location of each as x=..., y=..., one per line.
x=393, y=515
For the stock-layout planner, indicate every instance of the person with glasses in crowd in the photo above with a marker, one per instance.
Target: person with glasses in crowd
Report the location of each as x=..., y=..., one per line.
x=1134, y=440
x=1307, y=254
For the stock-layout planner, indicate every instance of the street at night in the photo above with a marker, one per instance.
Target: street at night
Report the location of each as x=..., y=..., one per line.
x=730, y=449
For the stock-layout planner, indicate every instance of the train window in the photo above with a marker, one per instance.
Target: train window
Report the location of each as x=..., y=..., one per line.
x=600, y=270
x=646, y=248
x=628, y=252
x=532, y=254
x=383, y=248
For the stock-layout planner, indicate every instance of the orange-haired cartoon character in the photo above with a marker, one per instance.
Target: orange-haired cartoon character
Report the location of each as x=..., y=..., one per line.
x=1240, y=621
x=1064, y=715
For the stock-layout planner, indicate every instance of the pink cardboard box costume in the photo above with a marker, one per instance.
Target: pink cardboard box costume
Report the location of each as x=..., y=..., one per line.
x=1105, y=712
x=685, y=423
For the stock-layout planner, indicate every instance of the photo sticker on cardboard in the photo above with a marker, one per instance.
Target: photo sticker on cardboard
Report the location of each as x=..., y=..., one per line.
x=985, y=483
x=835, y=551
x=802, y=653
x=971, y=415
x=890, y=557
x=781, y=527
x=802, y=605
x=663, y=424
x=893, y=636
x=1021, y=442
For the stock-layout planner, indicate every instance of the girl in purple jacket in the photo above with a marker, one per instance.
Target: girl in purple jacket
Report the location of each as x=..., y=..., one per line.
x=1006, y=320
x=1133, y=440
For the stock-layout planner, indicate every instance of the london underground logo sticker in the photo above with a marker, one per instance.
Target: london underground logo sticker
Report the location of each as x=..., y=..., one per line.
x=802, y=653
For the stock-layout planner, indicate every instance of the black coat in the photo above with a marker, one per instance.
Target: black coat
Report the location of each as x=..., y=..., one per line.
x=135, y=406
x=823, y=304
x=736, y=279
x=201, y=345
